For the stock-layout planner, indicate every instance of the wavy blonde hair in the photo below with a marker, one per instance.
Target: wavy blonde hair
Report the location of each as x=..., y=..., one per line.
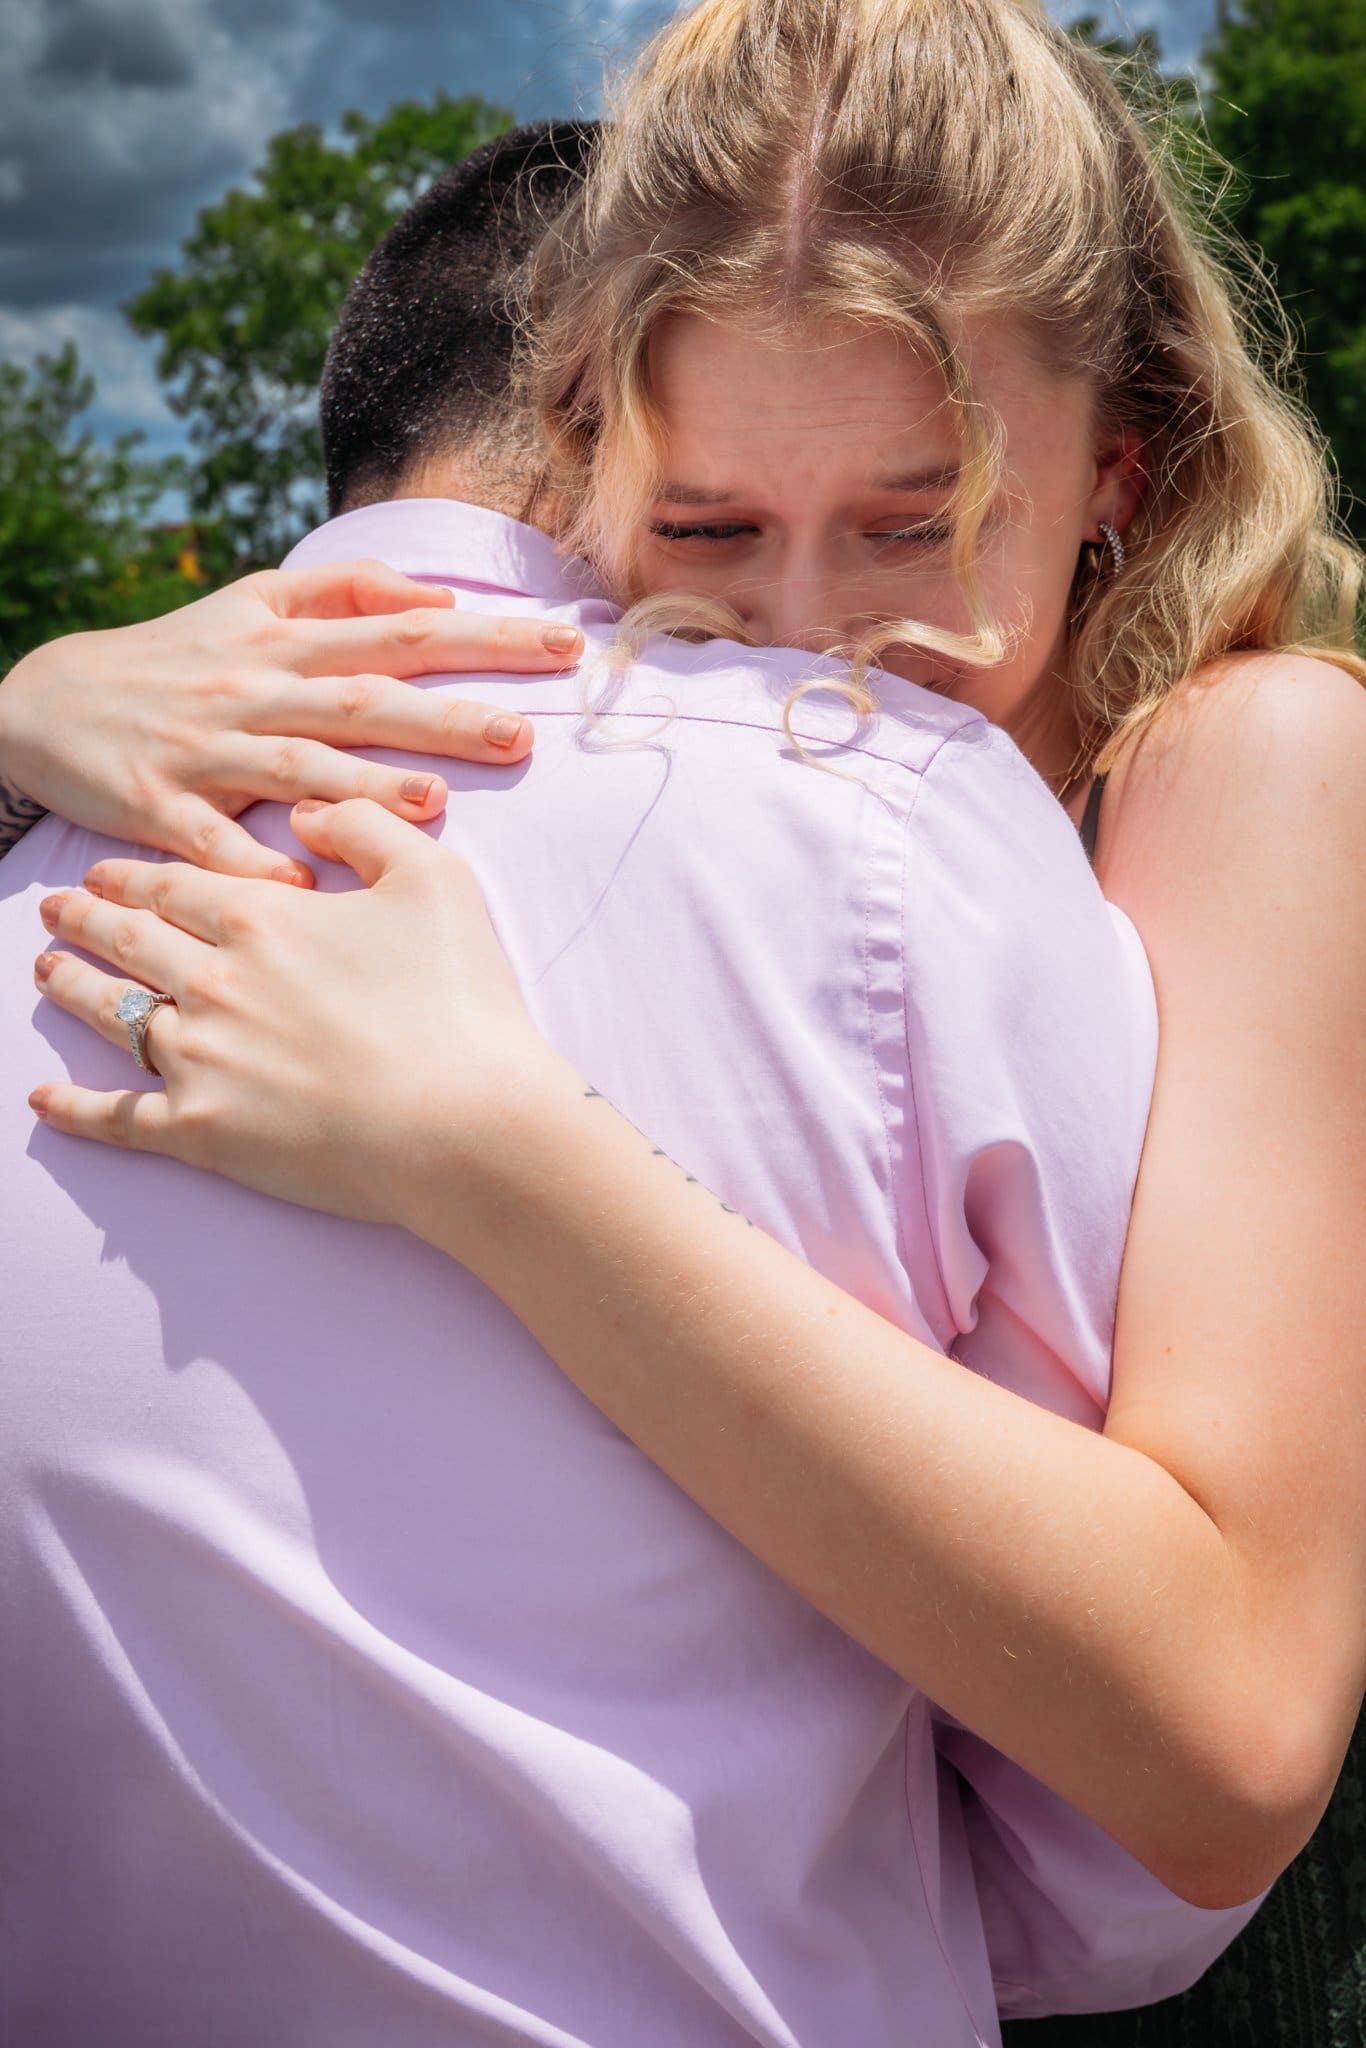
x=907, y=164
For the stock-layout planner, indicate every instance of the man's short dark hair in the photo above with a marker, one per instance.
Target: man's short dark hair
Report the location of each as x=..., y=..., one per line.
x=421, y=359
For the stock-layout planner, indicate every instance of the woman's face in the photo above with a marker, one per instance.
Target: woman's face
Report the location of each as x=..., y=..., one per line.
x=807, y=481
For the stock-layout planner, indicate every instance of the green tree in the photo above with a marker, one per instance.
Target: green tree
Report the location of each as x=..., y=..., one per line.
x=78, y=543
x=244, y=320
x=1286, y=104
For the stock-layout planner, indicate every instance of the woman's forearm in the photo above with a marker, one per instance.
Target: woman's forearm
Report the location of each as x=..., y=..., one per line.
x=1058, y=1592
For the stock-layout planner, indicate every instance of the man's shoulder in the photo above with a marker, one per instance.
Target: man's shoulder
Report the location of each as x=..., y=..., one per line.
x=1007, y=928
x=809, y=698
x=982, y=794
x=446, y=540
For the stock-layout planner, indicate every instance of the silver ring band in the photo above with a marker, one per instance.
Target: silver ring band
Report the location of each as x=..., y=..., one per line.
x=137, y=1007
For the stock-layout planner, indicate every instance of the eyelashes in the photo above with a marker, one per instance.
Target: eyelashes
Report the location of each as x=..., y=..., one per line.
x=933, y=534
x=664, y=531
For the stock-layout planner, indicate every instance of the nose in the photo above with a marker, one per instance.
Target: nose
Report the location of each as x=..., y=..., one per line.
x=795, y=605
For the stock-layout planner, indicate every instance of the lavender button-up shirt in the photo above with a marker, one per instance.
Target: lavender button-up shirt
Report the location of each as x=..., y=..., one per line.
x=364, y=1684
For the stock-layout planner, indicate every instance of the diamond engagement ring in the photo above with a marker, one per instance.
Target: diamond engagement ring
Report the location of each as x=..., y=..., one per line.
x=137, y=1007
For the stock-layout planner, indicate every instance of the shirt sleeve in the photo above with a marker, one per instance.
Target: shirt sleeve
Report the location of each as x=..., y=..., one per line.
x=1073, y=1922
x=1032, y=1043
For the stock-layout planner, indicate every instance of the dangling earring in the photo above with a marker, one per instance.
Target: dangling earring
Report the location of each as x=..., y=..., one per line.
x=1118, y=555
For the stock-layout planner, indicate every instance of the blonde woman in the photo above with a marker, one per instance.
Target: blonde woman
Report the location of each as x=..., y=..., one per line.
x=820, y=237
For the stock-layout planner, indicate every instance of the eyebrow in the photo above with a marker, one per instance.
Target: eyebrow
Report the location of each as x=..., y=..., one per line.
x=939, y=478
x=923, y=479
x=688, y=494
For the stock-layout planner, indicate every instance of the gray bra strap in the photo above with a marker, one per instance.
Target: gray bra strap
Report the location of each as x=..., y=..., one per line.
x=1090, y=823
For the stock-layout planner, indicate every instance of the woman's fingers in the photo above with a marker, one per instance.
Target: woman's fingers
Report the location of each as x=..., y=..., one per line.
x=89, y=994
x=428, y=642
x=377, y=711
x=138, y=943
x=192, y=828
x=288, y=770
x=138, y=1120
x=346, y=590
x=362, y=836
x=194, y=902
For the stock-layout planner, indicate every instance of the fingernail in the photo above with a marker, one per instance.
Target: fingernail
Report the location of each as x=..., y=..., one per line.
x=39, y=1101
x=92, y=886
x=503, y=732
x=295, y=873
x=416, y=789
x=50, y=909
x=310, y=803
x=562, y=639
x=43, y=966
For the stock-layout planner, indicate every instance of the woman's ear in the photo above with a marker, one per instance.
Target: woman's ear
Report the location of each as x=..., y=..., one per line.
x=1120, y=484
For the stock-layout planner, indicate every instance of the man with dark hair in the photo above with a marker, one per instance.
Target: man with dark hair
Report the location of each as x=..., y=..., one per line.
x=419, y=371
x=374, y=1689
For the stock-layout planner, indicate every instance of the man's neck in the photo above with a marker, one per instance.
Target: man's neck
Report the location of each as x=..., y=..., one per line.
x=515, y=491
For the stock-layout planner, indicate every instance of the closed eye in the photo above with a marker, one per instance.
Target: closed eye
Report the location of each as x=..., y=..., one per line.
x=731, y=531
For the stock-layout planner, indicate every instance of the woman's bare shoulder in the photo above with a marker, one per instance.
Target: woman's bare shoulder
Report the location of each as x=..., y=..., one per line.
x=1256, y=758
x=1243, y=701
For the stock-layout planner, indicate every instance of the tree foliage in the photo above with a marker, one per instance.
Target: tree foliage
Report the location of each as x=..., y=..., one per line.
x=244, y=320
x=79, y=546
x=1286, y=105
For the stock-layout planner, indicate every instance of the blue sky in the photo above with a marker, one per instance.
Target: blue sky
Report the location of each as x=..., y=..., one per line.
x=119, y=119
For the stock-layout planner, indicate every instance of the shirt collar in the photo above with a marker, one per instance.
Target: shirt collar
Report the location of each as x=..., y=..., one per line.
x=454, y=542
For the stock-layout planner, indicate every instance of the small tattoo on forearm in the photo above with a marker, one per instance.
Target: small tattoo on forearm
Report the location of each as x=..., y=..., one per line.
x=18, y=813
x=596, y=1095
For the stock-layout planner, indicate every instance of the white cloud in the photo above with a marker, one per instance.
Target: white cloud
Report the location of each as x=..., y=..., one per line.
x=127, y=389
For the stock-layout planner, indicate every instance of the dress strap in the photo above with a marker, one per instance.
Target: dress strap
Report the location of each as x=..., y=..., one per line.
x=1090, y=823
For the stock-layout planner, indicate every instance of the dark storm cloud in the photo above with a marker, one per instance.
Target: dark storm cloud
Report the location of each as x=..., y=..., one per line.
x=127, y=48
x=116, y=122
x=119, y=119
x=64, y=276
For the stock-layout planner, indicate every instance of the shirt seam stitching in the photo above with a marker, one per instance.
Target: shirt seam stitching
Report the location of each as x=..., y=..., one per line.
x=940, y=740
x=912, y=1097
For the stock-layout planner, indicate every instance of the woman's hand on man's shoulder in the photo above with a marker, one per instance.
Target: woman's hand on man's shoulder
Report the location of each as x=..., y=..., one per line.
x=163, y=733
